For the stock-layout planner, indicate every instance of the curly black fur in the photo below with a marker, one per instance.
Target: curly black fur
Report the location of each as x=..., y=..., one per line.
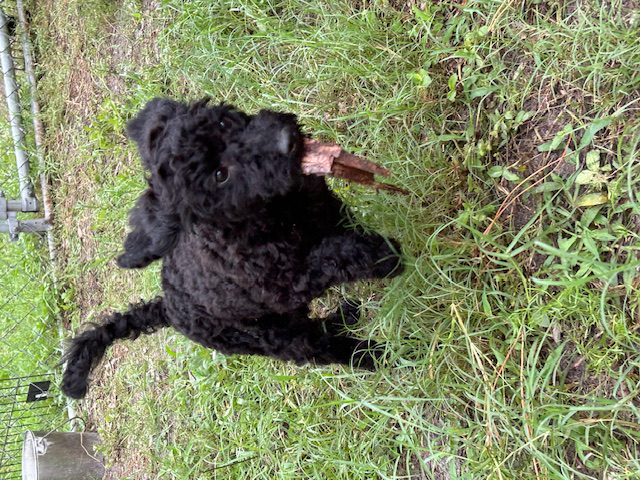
x=247, y=241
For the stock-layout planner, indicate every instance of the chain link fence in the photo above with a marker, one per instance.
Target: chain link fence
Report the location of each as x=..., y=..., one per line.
x=29, y=331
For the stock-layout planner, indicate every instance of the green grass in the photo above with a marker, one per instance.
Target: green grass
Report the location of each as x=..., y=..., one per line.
x=511, y=353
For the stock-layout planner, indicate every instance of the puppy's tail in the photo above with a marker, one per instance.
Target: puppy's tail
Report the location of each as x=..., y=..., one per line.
x=87, y=349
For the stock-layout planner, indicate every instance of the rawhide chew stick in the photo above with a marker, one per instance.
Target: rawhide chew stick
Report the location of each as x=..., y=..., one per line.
x=330, y=159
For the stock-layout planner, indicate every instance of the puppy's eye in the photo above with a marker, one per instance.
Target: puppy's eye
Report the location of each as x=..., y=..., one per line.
x=222, y=124
x=222, y=175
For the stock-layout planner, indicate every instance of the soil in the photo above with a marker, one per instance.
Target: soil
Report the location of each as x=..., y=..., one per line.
x=578, y=377
x=125, y=43
x=554, y=108
x=83, y=95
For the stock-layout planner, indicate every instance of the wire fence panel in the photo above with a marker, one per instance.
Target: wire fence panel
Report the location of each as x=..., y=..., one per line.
x=23, y=144
x=25, y=404
x=14, y=110
x=28, y=336
x=29, y=332
x=15, y=144
x=28, y=346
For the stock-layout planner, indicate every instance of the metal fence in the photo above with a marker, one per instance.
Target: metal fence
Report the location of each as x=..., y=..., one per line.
x=10, y=29
x=29, y=331
x=25, y=404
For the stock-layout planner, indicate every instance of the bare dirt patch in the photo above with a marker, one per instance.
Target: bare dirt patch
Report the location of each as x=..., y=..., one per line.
x=553, y=108
x=578, y=377
x=630, y=10
x=127, y=44
x=85, y=69
x=563, y=114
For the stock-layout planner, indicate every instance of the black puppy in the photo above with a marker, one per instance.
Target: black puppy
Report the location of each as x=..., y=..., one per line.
x=247, y=241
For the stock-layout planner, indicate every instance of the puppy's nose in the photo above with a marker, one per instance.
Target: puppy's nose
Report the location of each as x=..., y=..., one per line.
x=287, y=139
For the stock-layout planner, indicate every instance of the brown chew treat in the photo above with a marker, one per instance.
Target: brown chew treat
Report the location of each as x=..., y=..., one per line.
x=330, y=159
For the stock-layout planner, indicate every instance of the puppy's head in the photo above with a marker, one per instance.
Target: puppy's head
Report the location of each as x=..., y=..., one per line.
x=216, y=163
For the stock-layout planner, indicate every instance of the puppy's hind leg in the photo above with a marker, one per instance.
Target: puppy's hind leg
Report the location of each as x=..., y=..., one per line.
x=297, y=338
x=347, y=315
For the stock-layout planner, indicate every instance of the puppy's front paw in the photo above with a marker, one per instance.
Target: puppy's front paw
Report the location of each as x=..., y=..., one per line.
x=389, y=259
x=366, y=355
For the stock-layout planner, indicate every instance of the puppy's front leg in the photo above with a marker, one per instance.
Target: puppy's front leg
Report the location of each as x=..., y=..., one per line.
x=348, y=257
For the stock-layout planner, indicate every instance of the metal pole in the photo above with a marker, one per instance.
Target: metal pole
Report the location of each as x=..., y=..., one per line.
x=31, y=78
x=38, y=128
x=13, y=225
x=15, y=119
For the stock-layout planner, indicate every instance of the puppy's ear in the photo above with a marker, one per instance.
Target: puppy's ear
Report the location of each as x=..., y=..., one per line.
x=154, y=233
x=148, y=127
